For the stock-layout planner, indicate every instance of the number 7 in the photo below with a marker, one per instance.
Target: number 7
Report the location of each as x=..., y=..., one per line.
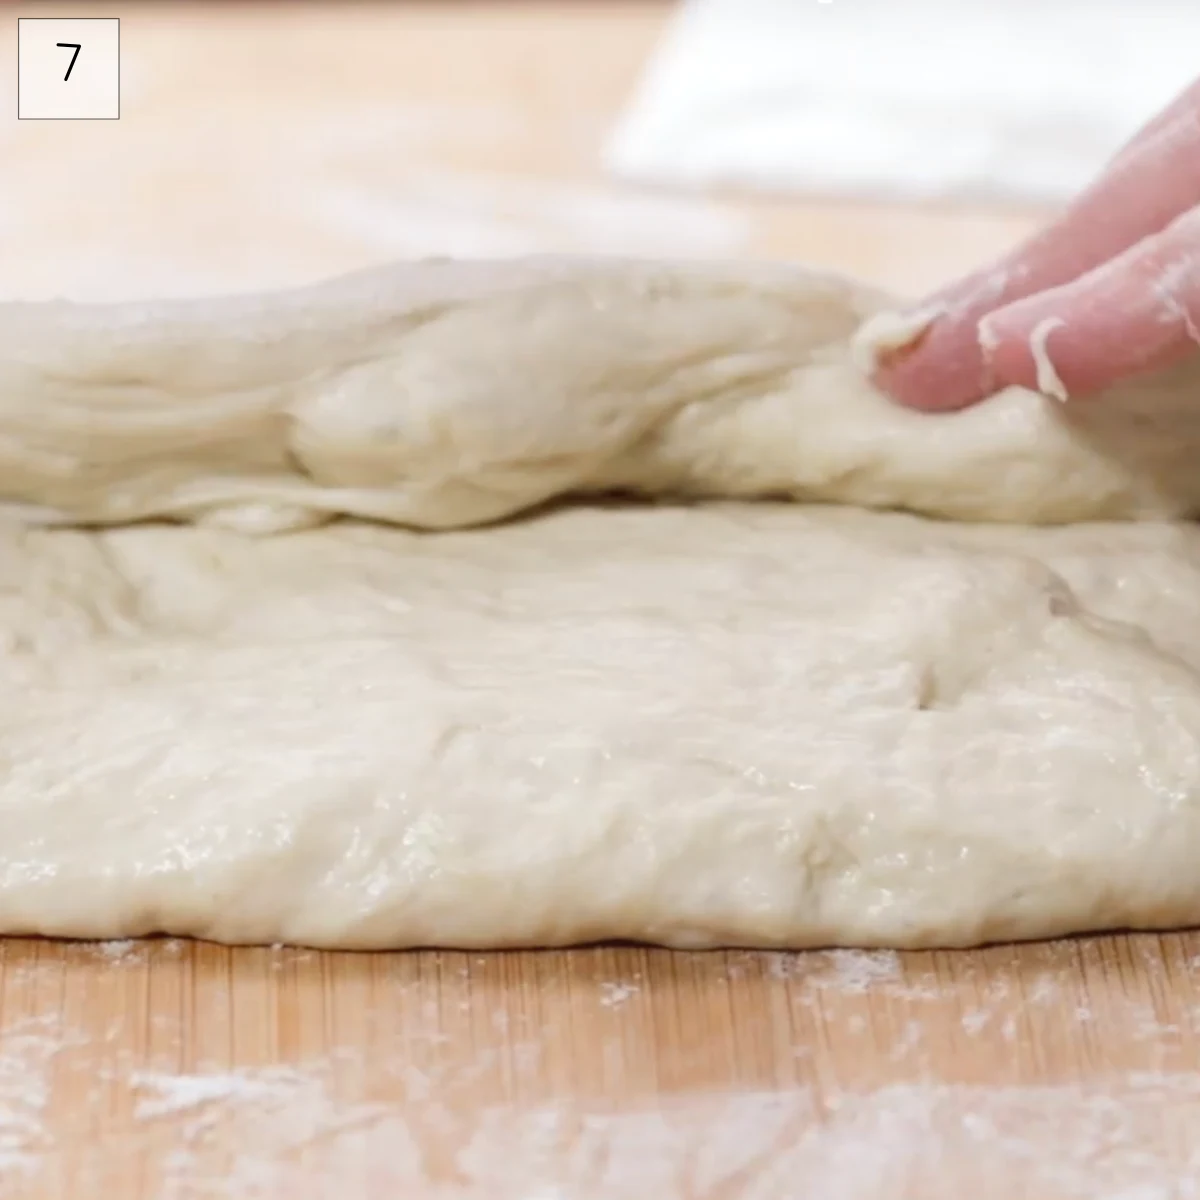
x=70, y=46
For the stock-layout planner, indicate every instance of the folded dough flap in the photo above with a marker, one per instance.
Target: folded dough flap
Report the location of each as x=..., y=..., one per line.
x=445, y=394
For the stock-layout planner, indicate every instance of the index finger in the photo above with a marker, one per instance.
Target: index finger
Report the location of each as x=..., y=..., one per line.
x=1136, y=313
x=1150, y=183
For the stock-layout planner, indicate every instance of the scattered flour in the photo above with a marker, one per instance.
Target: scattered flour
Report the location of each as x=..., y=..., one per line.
x=125, y=948
x=976, y=1020
x=381, y=1122
x=1045, y=990
x=850, y=971
x=27, y=1051
x=615, y=995
x=854, y=971
x=282, y=1133
x=174, y=1094
x=912, y=1038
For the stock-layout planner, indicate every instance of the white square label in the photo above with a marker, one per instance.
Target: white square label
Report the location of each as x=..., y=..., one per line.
x=68, y=68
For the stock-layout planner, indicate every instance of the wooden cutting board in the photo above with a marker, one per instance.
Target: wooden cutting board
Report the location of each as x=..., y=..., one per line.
x=262, y=145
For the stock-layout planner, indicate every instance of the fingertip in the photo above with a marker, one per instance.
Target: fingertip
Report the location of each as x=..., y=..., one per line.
x=922, y=386
x=942, y=373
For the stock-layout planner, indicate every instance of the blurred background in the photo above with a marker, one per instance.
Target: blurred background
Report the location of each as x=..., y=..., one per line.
x=264, y=144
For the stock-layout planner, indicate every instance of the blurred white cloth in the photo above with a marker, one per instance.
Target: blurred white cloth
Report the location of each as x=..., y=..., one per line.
x=904, y=99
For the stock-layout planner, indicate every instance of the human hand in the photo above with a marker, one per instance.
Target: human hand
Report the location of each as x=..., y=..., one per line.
x=1109, y=289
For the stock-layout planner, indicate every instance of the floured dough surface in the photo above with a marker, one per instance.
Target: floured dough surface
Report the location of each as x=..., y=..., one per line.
x=746, y=721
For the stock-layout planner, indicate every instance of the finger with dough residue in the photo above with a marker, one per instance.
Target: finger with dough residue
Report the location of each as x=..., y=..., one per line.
x=1146, y=187
x=1136, y=313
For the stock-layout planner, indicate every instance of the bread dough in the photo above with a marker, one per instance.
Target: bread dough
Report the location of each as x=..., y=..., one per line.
x=443, y=394
x=733, y=722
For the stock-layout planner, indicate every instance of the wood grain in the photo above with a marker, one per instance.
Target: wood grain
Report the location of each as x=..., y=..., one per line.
x=168, y=1068
x=272, y=144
